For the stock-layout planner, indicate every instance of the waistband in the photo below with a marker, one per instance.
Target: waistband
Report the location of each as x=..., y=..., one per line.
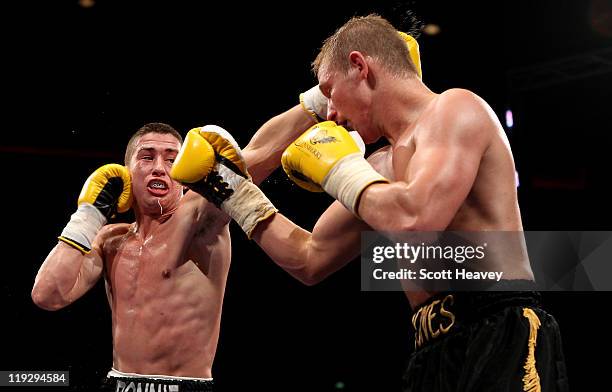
x=127, y=382
x=447, y=312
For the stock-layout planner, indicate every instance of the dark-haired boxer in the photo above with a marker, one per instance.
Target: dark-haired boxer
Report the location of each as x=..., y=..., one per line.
x=165, y=273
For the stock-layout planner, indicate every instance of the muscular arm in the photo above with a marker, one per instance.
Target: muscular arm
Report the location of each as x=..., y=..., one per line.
x=210, y=234
x=201, y=223
x=206, y=215
x=440, y=173
x=263, y=153
x=311, y=257
x=67, y=274
x=308, y=257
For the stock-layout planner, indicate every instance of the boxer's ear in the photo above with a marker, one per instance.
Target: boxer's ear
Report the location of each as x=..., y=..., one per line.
x=358, y=62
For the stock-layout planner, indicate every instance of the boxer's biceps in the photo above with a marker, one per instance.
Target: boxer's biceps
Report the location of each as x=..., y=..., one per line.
x=90, y=273
x=263, y=153
x=65, y=276
x=259, y=163
x=439, y=181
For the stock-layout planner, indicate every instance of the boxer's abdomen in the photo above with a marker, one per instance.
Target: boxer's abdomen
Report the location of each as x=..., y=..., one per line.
x=165, y=318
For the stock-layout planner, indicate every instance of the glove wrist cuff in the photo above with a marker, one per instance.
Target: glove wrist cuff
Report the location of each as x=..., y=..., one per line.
x=83, y=227
x=248, y=206
x=314, y=103
x=348, y=179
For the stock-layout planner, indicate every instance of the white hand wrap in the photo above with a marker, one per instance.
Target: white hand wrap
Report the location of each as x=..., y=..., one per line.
x=83, y=227
x=349, y=178
x=248, y=206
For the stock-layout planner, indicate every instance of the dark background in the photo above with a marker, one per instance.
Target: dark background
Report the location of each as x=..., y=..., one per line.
x=78, y=81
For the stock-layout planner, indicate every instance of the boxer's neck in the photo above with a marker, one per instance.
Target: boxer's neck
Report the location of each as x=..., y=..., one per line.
x=147, y=223
x=398, y=106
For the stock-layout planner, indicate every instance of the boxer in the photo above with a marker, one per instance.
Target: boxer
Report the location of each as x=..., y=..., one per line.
x=165, y=273
x=448, y=167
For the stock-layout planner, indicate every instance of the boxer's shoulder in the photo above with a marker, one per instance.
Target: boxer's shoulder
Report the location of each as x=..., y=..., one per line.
x=461, y=107
x=456, y=115
x=111, y=235
x=457, y=95
x=115, y=230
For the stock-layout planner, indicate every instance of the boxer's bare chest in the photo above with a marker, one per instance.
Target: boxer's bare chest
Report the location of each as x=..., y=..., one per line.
x=140, y=268
x=393, y=161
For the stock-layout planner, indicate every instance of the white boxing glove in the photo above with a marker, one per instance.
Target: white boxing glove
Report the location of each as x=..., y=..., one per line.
x=314, y=103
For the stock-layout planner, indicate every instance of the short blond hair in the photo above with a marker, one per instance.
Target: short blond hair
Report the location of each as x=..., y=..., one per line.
x=371, y=35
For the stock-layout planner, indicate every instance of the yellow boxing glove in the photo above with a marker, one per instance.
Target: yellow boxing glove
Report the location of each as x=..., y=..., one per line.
x=108, y=190
x=326, y=158
x=413, y=51
x=219, y=173
x=195, y=159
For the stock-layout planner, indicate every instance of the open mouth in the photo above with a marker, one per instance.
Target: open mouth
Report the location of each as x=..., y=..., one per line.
x=157, y=187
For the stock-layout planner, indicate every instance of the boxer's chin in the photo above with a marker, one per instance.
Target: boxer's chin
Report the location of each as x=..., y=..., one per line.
x=367, y=136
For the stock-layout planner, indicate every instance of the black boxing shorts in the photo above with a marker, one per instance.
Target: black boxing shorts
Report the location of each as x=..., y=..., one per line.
x=485, y=341
x=117, y=381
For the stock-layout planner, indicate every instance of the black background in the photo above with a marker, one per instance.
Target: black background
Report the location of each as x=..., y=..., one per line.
x=77, y=82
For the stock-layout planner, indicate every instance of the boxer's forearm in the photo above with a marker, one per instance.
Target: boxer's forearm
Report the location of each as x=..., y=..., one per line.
x=263, y=153
x=311, y=257
x=65, y=275
x=286, y=244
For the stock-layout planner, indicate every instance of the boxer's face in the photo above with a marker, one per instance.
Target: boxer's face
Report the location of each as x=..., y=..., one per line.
x=153, y=189
x=348, y=99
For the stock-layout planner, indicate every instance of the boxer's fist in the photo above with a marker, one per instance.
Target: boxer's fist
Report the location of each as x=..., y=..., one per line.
x=210, y=162
x=226, y=149
x=195, y=159
x=311, y=156
x=219, y=173
x=314, y=103
x=109, y=189
x=327, y=158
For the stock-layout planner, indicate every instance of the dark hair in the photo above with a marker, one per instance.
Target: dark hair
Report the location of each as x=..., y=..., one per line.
x=162, y=128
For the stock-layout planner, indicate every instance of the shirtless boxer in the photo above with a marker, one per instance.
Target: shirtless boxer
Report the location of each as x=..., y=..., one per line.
x=448, y=167
x=165, y=274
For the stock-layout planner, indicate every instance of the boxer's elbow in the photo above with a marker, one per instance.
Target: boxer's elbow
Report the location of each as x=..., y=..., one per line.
x=410, y=222
x=46, y=298
x=308, y=273
x=317, y=267
x=311, y=277
x=397, y=220
x=43, y=301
